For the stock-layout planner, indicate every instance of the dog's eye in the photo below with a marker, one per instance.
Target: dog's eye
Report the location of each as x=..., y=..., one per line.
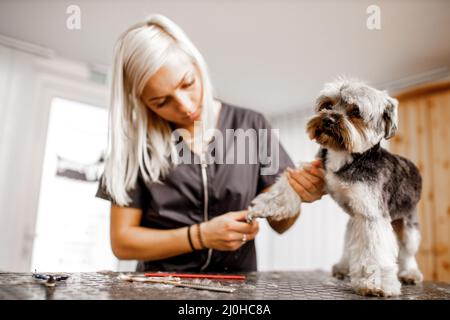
x=326, y=105
x=354, y=112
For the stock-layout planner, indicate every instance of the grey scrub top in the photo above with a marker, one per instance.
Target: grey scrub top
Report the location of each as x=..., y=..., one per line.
x=179, y=200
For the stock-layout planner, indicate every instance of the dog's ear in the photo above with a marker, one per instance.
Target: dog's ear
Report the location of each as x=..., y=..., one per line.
x=390, y=117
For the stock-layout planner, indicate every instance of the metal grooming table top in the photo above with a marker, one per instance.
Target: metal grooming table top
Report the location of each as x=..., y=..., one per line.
x=259, y=285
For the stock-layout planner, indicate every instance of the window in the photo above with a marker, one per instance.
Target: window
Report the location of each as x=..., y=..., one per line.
x=72, y=230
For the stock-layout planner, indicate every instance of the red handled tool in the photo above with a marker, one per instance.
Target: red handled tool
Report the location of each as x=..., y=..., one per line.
x=196, y=276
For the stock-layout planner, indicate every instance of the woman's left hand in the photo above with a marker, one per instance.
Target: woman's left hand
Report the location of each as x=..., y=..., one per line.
x=308, y=182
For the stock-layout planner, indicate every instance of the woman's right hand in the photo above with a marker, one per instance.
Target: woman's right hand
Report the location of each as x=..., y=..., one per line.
x=226, y=232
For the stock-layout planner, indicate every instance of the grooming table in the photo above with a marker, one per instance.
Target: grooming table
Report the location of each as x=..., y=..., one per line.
x=259, y=285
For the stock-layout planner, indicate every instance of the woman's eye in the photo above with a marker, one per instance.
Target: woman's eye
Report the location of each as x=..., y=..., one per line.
x=189, y=84
x=161, y=104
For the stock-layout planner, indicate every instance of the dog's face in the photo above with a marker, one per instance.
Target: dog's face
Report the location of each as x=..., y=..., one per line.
x=353, y=117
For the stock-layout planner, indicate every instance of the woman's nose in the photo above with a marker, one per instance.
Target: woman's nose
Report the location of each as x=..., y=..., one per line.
x=184, y=102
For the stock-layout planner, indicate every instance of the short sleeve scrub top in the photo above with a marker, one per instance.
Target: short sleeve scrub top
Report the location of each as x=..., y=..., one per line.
x=180, y=200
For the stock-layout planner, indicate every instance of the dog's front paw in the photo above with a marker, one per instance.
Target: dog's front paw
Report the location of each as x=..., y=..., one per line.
x=280, y=202
x=391, y=287
x=263, y=206
x=340, y=271
x=376, y=283
x=410, y=276
x=366, y=287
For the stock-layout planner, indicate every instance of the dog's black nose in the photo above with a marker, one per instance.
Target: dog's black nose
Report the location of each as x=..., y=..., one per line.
x=327, y=122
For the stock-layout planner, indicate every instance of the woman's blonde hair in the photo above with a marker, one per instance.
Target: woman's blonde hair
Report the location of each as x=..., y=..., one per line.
x=138, y=139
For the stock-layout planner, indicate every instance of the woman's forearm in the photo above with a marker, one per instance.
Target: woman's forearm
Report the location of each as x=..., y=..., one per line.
x=140, y=243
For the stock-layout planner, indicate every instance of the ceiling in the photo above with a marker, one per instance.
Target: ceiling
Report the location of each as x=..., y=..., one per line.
x=272, y=56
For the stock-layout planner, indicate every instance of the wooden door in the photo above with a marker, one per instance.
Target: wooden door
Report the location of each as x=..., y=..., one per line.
x=424, y=137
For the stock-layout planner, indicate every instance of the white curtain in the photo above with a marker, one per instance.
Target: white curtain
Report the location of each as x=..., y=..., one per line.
x=17, y=119
x=315, y=241
x=28, y=83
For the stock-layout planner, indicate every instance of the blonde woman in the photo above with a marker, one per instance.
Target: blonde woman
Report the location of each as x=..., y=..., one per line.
x=177, y=215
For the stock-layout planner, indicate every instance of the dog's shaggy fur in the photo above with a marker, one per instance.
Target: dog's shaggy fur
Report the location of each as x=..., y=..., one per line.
x=377, y=189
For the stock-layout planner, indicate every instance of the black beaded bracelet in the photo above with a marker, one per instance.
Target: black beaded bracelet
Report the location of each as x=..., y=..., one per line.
x=199, y=234
x=189, y=238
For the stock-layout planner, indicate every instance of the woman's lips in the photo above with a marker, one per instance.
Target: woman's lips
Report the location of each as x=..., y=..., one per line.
x=194, y=115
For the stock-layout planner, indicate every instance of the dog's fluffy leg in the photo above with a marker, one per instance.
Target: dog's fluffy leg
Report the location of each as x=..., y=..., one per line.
x=373, y=256
x=409, y=241
x=280, y=202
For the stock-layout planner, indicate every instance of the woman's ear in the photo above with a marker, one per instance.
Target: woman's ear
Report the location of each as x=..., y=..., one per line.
x=390, y=117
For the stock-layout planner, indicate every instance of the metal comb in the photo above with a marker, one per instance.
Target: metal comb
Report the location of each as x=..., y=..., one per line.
x=178, y=283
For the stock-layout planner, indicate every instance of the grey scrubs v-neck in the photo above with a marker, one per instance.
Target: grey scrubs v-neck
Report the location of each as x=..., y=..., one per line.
x=178, y=201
